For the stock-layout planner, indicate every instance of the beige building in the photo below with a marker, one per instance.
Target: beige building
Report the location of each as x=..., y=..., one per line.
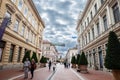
x=24, y=33
x=71, y=52
x=98, y=19
x=49, y=50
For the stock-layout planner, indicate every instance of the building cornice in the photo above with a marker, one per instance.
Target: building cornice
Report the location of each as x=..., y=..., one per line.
x=36, y=12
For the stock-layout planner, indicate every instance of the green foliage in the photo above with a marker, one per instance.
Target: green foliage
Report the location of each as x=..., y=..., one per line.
x=27, y=55
x=73, y=61
x=78, y=58
x=112, y=59
x=83, y=60
x=34, y=57
x=43, y=60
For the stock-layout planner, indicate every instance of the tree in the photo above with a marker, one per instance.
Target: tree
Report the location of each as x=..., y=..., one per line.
x=73, y=61
x=83, y=59
x=112, y=58
x=34, y=57
x=42, y=59
x=78, y=58
x=27, y=55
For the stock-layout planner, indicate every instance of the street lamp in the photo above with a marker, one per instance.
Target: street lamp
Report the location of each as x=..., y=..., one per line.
x=6, y=21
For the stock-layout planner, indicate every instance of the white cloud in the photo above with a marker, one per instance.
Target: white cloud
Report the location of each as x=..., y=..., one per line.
x=60, y=17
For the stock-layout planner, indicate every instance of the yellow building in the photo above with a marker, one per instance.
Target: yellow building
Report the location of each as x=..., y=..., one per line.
x=98, y=19
x=24, y=33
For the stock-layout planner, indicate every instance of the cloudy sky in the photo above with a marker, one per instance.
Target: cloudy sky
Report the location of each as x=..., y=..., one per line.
x=60, y=18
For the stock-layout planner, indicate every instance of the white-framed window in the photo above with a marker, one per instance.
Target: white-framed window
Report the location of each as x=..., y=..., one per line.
x=8, y=14
x=20, y=4
x=25, y=11
x=22, y=30
x=14, y=1
x=26, y=33
x=16, y=26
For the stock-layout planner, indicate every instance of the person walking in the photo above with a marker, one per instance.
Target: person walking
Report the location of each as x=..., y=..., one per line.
x=54, y=67
x=49, y=65
x=33, y=67
x=26, y=68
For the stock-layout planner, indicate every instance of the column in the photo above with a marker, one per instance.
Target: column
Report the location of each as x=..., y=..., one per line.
x=6, y=53
x=15, y=54
x=101, y=25
x=22, y=54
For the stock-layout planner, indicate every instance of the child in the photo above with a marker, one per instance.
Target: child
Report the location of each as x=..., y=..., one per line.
x=54, y=66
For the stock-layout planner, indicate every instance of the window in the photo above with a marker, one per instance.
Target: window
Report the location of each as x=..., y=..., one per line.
x=16, y=26
x=91, y=15
x=19, y=54
x=25, y=11
x=23, y=30
x=89, y=36
x=20, y=4
x=95, y=6
x=88, y=20
x=98, y=28
x=1, y=52
x=86, y=39
x=14, y=1
x=11, y=53
x=93, y=33
x=27, y=33
x=102, y=1
x=85, y=25
x=105, y=22
x=116, y=13
x=7, y=14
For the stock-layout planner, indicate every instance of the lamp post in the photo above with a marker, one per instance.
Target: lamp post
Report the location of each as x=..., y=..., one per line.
x=6, y=21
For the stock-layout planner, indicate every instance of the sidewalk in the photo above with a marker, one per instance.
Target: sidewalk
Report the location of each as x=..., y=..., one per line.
x=18, y=74
x=6, y=74
x=96, y=75
x=64, y=74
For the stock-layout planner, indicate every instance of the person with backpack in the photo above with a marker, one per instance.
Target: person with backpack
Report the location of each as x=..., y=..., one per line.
x=33, y=67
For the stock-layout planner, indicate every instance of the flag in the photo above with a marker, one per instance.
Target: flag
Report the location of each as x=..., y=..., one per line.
x=3, y=26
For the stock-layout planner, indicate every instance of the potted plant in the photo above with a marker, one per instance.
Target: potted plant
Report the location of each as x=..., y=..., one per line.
x=73, y=61
x=112, y=58
x=83, y=63
x=77, y=62
x=42, y=61
x=34, y=57
x=27, y=55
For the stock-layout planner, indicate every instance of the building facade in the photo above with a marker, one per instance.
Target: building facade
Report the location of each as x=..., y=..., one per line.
x=98, y=19
x=24, y=33
x=49, y=50
x=71, y=52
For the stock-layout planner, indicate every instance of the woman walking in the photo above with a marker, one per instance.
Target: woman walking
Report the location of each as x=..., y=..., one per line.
x=33, y=67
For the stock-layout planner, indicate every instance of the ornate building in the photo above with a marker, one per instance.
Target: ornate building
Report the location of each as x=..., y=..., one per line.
x=71, y=52
x=98, y=19
x=24, y=33
x=49, y=50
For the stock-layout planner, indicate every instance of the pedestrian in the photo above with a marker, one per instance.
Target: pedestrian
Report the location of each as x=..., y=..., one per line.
x=54, y=67
x=49, y=65
x=33, y=67
x=26, y=67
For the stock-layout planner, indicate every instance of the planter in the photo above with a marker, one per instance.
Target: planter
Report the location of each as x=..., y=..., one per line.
x=42, y=65
x=73, y=65
x=116, y=74
x=83, y=69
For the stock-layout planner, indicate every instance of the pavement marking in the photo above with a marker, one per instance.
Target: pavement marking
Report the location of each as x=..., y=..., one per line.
x=21, y=75
x=81, y=78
